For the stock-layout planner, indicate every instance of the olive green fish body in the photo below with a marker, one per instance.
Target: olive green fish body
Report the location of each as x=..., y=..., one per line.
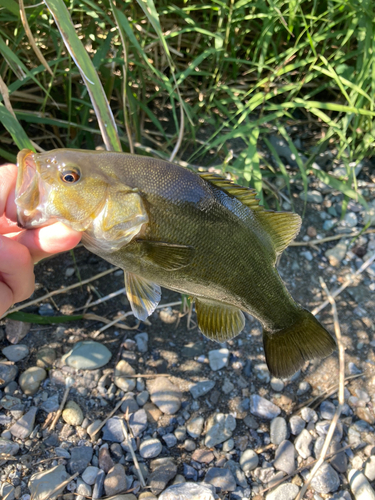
x=167, y=226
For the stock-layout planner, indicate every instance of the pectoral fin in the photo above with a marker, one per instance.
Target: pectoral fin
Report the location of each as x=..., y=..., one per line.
x=169, y=257
x=219, y=321
x=143, y=295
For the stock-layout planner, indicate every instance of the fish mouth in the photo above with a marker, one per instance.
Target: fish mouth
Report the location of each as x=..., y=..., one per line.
x=31, y=192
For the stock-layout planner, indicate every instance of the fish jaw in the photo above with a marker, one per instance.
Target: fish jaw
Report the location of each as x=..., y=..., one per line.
x=31, y=193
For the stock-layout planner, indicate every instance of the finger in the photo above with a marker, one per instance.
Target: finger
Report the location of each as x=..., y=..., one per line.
x=8, y=176
x=16, y=271
x=49, y=240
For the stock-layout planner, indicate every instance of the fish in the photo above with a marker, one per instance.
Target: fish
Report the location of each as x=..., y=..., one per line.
x=198, y=234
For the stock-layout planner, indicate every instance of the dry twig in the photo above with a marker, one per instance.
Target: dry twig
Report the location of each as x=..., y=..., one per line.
x=336, y=417
x=68, y=383
x=329, y=238
x=347, y=283
x=124, y=425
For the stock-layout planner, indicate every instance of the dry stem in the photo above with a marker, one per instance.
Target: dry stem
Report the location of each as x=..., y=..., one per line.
x=336, y=417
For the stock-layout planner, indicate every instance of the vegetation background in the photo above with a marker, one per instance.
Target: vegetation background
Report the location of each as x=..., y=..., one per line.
x=204, y=83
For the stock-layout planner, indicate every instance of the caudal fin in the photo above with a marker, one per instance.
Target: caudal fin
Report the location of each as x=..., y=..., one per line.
x=288, y=349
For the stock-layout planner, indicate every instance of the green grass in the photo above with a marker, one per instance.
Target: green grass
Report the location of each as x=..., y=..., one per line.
x=206, y=82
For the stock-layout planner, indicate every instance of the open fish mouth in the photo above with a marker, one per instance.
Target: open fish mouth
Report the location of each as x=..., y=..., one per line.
x=31, y=193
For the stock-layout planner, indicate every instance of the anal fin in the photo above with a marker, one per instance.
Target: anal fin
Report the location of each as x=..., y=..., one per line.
x=142, y=294
x=218, y=321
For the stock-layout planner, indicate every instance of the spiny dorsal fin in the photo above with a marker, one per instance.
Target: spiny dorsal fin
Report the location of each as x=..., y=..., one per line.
x=218, y=321
x=282, y=227
x=245, y=195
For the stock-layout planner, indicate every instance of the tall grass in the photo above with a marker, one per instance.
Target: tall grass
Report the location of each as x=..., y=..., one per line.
x=205, y=82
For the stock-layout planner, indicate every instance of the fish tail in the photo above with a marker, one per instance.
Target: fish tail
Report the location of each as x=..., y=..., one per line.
x=286, y=350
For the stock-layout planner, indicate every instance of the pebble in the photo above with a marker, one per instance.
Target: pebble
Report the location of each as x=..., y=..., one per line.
x=189, y=445
x=16, y=330
x=25, y=425
x=350, y=220
x=218, y=359
x=8, y=447
x=195, y=426
x=188, y=491
x=170, y=440
x=98, y=490
x=285, y=457
x=303, y=444
x=15, y=352
x=327, y=410
x=203, y=456
x=261, y=407
x=249, y=460
x=129, y=405
x=105, y=461
x=303, y=387
x=150, y=448
x=7, y=374
x=287, y=491
x=7, y=491
x=165, y=395
x=326, y=479
x=219, y=428
x=80, y=458
x=115, y=482
x=370, y=469
x=278, y=430
x=309, y=415
x=221, y=478
x=336, y=254
x=43, y=483
x=142, y=341
x=83, y=489
x=201, y=388
x=87, y=355
x=227, y=386
x=45, y=357
x=112, y=431
x=122, y=373
x=308, y=255
x=51, y=404
x=360, y=487
x=311, y=196
x=30, y=380
x=138, y=422
x=340, y=460
x=161, y=476
x=72, y=414
x=277, y=384
x=297, y=424
x=190, y=473
x=89, y=474
x=142, y=398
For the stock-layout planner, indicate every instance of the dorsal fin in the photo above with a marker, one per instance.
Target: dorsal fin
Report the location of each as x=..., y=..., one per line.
x=245, y=195
x=282, y=227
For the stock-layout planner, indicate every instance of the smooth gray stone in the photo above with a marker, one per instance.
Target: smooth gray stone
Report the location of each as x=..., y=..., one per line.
x=360, y=487
x=201, y=388
x=138, y=422
x=221, y=478
x=189, y=491
x=285, y=457
x=161, y=476
x=80, y=458
x=261, y=407
x=112, y=431
x=7, y=374
x=15, y=352
x=87, y=355
x=326, y=480
x=98, y=490
x=287, y=491
x=25, y=425
x=278, y=430
x=249, y=460
x=43, y=483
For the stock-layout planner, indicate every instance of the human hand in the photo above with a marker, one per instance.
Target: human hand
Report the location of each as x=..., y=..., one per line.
x=20, y=249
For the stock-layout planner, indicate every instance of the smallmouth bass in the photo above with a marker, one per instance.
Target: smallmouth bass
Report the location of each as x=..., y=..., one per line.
x=197, y=234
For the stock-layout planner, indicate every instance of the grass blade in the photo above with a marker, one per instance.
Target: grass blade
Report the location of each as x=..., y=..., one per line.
x=90, y=77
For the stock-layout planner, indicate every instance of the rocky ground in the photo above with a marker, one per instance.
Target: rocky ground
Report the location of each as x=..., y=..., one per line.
x=203, y=420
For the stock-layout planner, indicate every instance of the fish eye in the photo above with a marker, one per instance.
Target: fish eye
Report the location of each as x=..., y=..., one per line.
x=70, y=176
